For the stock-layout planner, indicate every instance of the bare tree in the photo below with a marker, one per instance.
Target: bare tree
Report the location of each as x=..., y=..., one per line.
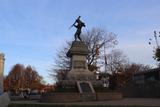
x=61, y=60
x=116, y=61
x=96, y=39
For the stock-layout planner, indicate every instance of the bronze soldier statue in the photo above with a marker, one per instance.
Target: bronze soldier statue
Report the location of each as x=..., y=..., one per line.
x=78, y=24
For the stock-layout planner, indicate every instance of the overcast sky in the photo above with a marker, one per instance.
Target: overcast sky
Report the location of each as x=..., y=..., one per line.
x=32, y=30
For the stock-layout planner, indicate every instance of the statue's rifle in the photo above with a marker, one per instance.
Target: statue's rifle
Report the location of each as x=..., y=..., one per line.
x=71, y=26
x=74, y=22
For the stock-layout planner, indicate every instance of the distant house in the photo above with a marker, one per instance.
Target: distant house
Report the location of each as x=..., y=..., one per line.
x=145, y=84
x=147, y=76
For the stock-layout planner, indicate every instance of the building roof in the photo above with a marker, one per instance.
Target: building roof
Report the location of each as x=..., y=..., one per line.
x=148, y=71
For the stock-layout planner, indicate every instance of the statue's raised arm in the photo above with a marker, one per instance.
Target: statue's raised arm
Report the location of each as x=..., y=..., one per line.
x=78, y=24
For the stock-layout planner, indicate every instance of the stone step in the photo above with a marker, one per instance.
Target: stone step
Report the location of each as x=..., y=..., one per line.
x=88, y=97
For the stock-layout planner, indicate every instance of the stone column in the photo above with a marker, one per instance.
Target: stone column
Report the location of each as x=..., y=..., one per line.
x=1, y=71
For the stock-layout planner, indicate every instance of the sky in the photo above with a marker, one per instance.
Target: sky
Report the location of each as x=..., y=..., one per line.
x=31, y=31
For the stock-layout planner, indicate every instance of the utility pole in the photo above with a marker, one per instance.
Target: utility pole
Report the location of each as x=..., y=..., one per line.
x=105, y=67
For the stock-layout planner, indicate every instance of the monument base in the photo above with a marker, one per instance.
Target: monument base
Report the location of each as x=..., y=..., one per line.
x=79, y=97
x=4, y=100
x=87, y=76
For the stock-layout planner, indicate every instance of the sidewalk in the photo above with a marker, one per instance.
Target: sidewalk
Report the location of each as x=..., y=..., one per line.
x=124, y=102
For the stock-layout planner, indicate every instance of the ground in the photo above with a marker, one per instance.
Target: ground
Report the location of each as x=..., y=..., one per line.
x=127, y=102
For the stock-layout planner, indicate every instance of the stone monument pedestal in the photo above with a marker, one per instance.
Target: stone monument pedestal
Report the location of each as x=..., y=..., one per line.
x=79, y=68
x=79, y=72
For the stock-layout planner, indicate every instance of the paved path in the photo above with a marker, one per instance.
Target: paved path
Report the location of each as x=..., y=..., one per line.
x=127, y=101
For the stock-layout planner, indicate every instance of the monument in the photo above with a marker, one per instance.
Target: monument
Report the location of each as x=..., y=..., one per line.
x=79, y=72
x=4, y=98
x=79, y=76
x=78, y=53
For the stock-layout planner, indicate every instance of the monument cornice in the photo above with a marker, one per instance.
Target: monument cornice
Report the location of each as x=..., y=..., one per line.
x=78, y=48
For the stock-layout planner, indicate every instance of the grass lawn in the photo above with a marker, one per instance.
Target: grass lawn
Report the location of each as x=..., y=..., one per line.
x=52, y=105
